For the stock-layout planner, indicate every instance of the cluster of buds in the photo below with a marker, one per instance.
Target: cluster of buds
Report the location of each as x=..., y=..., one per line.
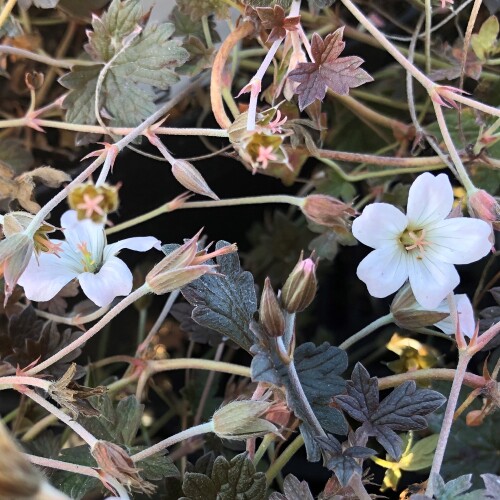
x=184, y=265
x=94, y=202
x=114, y=461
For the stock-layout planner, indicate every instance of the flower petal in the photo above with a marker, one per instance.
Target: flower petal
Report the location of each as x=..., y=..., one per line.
x=431, y=281
x=430, y=200
x=465, y=316
x=85, y=231
x=380, y=224
x=139, y=244
x=384, y=270
x=459, y=240
x=44, y=278
x=113, y=279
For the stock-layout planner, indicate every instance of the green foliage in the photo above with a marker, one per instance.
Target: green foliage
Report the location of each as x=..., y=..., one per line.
x=294, y=490
x=139, y=55
x=196, y=9
x=227, y=480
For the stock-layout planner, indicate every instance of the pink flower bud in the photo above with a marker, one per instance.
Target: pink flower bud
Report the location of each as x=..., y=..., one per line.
x=300, y=287
x=484, y=206
x=326, y=210
x=191, y=179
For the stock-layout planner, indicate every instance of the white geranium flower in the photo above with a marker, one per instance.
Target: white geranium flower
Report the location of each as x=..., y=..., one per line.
x=422, y=245
x=86, y=256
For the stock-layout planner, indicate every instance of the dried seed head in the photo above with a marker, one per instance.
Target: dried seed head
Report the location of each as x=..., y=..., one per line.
x=300, y=287
x=241, y=420
x=114, y=461
x=270, y=313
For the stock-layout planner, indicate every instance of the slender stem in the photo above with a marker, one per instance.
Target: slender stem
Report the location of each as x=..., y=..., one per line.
x=8, y=382
x=359, y=488
x=160, y=320
x=375, y=325
x=206, y=31
x=452, y=151
x=264, y=445
x=470, y=379
x=84, y=470
x=485, y=338
x=141, y=327
x=163, y=365
x=284, y=458
x=463, y=361
x=166, y=443
x=75, y=426
x=6, y=11
x=229, y=202
x=49, y=61
x=428, y=28
x=130, y=299
x=216, y=84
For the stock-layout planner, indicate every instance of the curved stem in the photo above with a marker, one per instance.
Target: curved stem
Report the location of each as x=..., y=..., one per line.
x=60, y=465
x=164, y=365
x=470, y=379
x=75, y=426
x=229, y=202
x=130, y=299
x=76, y=320
x=166, y=443
x=10, y=381
x=375, y=325
x=242, y=31
x=6, y=11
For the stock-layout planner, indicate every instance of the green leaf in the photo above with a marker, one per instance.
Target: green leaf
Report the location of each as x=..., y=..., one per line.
x=200, y=57
x=452, y=489
x=227, y=302
x=185, y=26
x=156, y=467
x=229, y=480
x=484, y=42
x=148, y=57
x=196, y=9
x=118, y=425
x=81, y=9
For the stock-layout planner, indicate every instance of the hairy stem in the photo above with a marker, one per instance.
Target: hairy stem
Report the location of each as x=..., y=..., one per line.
x=284, y=458
x=463, y=361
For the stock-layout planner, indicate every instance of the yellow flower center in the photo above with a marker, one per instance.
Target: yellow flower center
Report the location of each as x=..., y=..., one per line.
x=89, y=264
x=414, y=240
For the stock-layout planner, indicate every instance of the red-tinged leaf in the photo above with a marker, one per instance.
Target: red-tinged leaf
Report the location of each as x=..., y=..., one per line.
x=328, y=70
x=274, y=19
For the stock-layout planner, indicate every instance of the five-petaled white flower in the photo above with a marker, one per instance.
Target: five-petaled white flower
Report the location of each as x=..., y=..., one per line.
x=86, y=256
x=422, y=245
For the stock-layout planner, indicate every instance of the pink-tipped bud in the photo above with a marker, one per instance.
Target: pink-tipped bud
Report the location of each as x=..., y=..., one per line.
x=484, y=206
x=326, y=210
x=270, y=313
x=191, y=179
x=300, y=287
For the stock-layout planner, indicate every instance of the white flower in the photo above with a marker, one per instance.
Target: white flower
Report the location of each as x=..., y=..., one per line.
x=422, y=245
x=86, y=256
x=466, y=318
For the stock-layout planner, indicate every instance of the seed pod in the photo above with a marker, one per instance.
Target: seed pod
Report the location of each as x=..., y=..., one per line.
x=270, y=313
x=300, y=287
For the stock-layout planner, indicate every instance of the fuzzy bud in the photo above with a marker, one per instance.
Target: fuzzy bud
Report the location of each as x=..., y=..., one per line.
x=325, y=210
x=484, y=206
x=270, y=313
x=241, y=420
x=409, y=315
x=191, y=179
x=300, y=287
x=114, y=461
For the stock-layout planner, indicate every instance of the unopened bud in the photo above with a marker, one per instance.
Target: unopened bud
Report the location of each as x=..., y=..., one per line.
x=270, y=313
x=475, y=418
x=326, y=210
x=182, y=266
x=114, y=461
x=300, y=287
x=241, y=420
x=484, y=206
x=407, y=312
x=191, y=178
x=34, y=80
